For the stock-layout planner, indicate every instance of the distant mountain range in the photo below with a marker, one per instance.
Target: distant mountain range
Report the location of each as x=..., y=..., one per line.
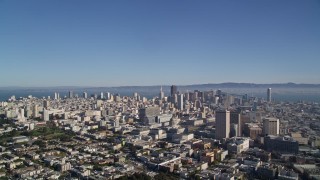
x=193, y=86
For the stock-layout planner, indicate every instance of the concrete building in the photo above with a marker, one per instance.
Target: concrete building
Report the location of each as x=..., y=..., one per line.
x=85, y=95
x=238, y=145
x=108, y=95
x=180, y=102
x=35, y=112
x=20, y=139
x=55, y=96
x=266, y=172
x=235, y=118
x=70, y=94
x=161, y=94
x=164, y=118
x=149, y=114
x=173, y=90
x=45, y=115
x=288, y=175
x=234, y=130
x=252, y=130
x=222, y=124
x=271, y=126
x=46, y=104
x=21, y=116
x=280, y=144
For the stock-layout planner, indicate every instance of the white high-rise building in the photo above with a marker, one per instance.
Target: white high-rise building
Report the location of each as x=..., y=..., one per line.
x=222, y=124
x=187, y=95
x=21, y=115
x=271, y=126
x=45, y=115
x=70, y=94
x=216, y=99
x=85, y=95
x=108, y=96
x=55, y=95
x=161, y=94
x=135, y=95
x=269, y=95
x=180, y=101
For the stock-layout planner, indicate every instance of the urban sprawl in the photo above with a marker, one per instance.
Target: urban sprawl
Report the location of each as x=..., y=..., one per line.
x=184, y=135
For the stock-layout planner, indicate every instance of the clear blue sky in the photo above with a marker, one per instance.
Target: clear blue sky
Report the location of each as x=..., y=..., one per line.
x=111, y=43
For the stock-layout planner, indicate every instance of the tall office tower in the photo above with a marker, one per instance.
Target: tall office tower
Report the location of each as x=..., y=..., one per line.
x=271, y=126
x=180, y=102
x=35, y=111
x=197, y=104
x=85, y=95
x=161, y=94
x=46, y=104
x=70, y=94
x=117, y=97
x=149, y=114
x=235, y=118
x=21, y=115
x=269, y=95
x=230, y=99
x=135, y=95
x=201, y=95
x=219, y=92
x=195, y=95
x=245, y=97
x=234, y=130
x=108, y=95
x=58, y=96
x=173, y=90
x=222, y=124
x=95, y=96
x=216, y=100
x=187, y=96
x=175, y=99
x=55, y=95
x=45, y=115
x=28, y=111
x=101, y=95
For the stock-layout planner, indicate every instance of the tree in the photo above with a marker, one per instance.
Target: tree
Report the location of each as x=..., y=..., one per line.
x=136, y=176
x=40, y=143
x=97, y=168
x=162, y=176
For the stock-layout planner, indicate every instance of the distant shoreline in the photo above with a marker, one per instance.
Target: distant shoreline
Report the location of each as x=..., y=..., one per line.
x=293, y=94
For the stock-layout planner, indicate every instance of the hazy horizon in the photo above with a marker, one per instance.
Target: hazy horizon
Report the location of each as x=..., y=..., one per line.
x=285, y=94
x=155, y=85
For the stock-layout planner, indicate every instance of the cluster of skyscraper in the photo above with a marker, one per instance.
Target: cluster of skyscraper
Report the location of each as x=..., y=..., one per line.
x=228, y=124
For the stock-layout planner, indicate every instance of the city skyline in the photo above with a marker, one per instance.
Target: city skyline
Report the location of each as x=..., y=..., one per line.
x=78, y=43
x=170, y=89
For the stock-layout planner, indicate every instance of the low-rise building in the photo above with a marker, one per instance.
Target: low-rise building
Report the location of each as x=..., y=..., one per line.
x=281, y=144
x=237, y=145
